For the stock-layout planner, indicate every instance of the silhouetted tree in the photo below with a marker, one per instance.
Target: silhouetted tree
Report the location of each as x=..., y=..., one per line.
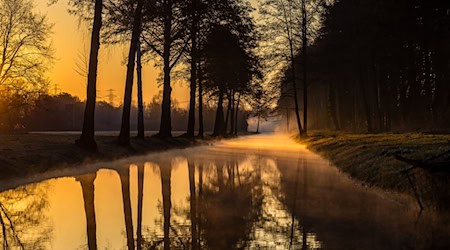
x=87, y=139
x=124, y=136
x=165, y=36
x=25, y=56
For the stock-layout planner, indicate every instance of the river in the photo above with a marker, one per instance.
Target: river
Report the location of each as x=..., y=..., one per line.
x=256, y=192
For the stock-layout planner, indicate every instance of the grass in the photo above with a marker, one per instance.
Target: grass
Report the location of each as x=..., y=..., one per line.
x=30, y=154
x=370, y=158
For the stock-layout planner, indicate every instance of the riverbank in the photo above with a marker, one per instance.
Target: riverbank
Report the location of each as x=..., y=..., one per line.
x=370, y=158
x=30, y=154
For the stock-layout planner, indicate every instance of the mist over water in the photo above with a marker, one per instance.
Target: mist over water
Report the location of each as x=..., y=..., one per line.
x=256, y=192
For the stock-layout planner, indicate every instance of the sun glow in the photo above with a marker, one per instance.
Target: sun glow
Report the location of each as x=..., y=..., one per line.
x=269, y=141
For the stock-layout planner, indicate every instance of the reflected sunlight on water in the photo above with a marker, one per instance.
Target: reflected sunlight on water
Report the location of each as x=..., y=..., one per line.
x=259, y=192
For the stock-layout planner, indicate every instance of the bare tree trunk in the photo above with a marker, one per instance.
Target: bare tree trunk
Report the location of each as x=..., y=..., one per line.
x=237, y=114
x=257, y=126
x=227, y=117
x=165, y=129
x=87, y=139
x=294, y=86
x=191, y=121
x=305, y=72
x=141, y=130
x=201, y=129
x=233, y=106
x=219, y=123
x=124, y=136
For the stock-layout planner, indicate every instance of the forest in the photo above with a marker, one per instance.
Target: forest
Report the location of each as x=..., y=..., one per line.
x=366, y=67
x=375, y=66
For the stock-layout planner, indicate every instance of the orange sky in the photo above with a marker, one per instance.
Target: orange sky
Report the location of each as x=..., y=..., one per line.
x=71, y=39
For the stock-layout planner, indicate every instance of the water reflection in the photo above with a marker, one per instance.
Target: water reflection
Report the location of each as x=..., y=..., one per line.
x=222, y=197
x=23, y=225
x=87, y=186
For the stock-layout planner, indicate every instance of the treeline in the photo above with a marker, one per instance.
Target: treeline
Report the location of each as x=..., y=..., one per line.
x=209, y=43
x=64, y=112
x=377, y=65
x=176, y=34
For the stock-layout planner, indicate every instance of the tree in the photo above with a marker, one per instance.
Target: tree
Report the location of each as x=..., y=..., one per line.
x=280, y=31
x=124, y=136
x=194, y=11
x=87, y=139
x=379, y=66
x=25, y=55
x=165, y=36
x=288, y=27
x=229, y=68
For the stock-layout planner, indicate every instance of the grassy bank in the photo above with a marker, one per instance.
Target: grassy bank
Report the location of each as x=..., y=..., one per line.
x=29, y=154
x=370, y=158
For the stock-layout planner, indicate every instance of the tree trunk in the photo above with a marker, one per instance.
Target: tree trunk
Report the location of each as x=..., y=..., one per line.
x=165, y=129
x=191, y=121
x=233, y=107
x=141, y=130
x=227, y=117
x=257, y=126
x=124, y=136
x=87, y=139
x=237, y=113
x=219, y=123
x=294, y=86
x=305, y=72
x=201, y=129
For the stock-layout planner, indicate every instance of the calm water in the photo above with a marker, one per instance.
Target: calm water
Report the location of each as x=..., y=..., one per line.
x=262, y=192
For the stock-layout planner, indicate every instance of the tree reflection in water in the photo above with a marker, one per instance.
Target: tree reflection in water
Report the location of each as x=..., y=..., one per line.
x=87, y=186
x=126, y=197
x=229, y=206
x=222, y=200
x=24, y=225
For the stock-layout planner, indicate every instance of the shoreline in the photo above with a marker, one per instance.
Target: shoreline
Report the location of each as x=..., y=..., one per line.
x=28, y=155
x=370, y=159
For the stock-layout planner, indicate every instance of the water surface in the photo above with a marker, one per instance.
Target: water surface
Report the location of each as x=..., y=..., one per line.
x=260, y=192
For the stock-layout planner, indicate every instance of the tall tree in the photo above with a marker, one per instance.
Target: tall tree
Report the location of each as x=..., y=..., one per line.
x=288, y=26
x=25, y=56
x=87, y=139
x=230, y=67
x=124, y=136
x=141, y=130
x=165, y=36
x=280, y=29
x=194, y=61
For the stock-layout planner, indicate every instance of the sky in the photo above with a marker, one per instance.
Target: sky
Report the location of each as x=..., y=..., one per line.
x=71, y=39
